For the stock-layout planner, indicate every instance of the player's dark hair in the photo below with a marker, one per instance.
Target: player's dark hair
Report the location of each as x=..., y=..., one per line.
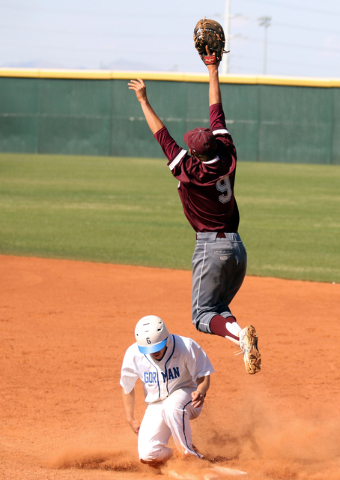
x=203, y=158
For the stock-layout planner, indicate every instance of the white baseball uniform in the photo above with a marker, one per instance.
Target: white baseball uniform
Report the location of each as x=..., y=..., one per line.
x=168, y=384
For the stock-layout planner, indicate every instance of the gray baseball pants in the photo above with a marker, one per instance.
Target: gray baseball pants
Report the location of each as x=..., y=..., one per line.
x=218, y=270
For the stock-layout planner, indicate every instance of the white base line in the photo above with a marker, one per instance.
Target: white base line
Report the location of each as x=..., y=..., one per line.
x=229, y=471
x=215, y=474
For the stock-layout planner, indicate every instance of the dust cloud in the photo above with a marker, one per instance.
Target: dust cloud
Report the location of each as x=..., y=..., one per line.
x=267, y=444
x=95, y=459
x=270, y=445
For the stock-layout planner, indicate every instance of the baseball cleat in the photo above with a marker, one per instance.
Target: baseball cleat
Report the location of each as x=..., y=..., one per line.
x=248, y=346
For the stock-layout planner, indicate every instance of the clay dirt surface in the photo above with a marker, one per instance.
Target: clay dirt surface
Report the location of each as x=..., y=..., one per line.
x=65, y=326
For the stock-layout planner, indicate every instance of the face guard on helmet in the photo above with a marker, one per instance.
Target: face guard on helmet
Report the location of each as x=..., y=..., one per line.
x=151, y=334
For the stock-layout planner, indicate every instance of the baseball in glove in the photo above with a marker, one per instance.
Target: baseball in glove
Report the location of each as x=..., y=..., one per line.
x=209, y=33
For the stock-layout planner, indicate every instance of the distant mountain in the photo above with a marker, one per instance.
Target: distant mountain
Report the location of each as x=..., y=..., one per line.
x=32, y=64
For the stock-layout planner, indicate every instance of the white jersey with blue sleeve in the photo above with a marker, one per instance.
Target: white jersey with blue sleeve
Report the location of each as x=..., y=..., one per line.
x=182, y=364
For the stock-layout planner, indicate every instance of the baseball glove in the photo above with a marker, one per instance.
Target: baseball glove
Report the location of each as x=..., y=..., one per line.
x=209, y=33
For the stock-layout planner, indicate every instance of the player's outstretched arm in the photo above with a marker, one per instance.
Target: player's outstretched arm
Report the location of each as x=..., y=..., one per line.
x=129, y=407
x=203, y=384
x=154, y=122
x=214, y=82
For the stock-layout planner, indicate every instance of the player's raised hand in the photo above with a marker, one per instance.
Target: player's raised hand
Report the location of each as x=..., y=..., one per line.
x=135, y=425
x=197, y=399
x=154, y=122
x=139, y=87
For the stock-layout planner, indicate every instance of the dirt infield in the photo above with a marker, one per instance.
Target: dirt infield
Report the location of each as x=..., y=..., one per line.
x=64, y=329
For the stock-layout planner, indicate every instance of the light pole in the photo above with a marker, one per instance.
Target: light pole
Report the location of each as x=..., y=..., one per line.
x=226, y=28
x=265, y=22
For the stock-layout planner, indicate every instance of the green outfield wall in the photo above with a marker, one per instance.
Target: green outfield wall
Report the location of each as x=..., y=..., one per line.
x=271, y=119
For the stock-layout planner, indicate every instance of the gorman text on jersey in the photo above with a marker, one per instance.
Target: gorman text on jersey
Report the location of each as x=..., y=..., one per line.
x=151, y=377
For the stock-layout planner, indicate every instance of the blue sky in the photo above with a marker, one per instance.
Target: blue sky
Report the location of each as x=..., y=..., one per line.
x=303, y=39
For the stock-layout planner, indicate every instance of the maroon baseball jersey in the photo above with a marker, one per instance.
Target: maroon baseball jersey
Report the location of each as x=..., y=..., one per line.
x=206, y=188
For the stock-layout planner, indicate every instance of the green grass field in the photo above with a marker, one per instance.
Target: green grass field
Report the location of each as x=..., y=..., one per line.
x=127, y=210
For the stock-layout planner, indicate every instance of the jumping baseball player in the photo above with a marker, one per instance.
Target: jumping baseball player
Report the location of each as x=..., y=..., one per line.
x=175, y=372
x=206, y=176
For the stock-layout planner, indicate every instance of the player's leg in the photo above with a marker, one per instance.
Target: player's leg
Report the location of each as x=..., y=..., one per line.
x=248, y=340
x=153, y=436
x=177, y=413
x=233, y=271
x=232, y=276
x=215, y=264
x=219, y=268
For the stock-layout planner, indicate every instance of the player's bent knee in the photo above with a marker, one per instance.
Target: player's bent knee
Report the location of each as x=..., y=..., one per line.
x=202, y=324
x=155, y=455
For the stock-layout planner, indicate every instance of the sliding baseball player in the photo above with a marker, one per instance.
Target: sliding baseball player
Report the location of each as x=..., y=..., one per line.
x=175, y=372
